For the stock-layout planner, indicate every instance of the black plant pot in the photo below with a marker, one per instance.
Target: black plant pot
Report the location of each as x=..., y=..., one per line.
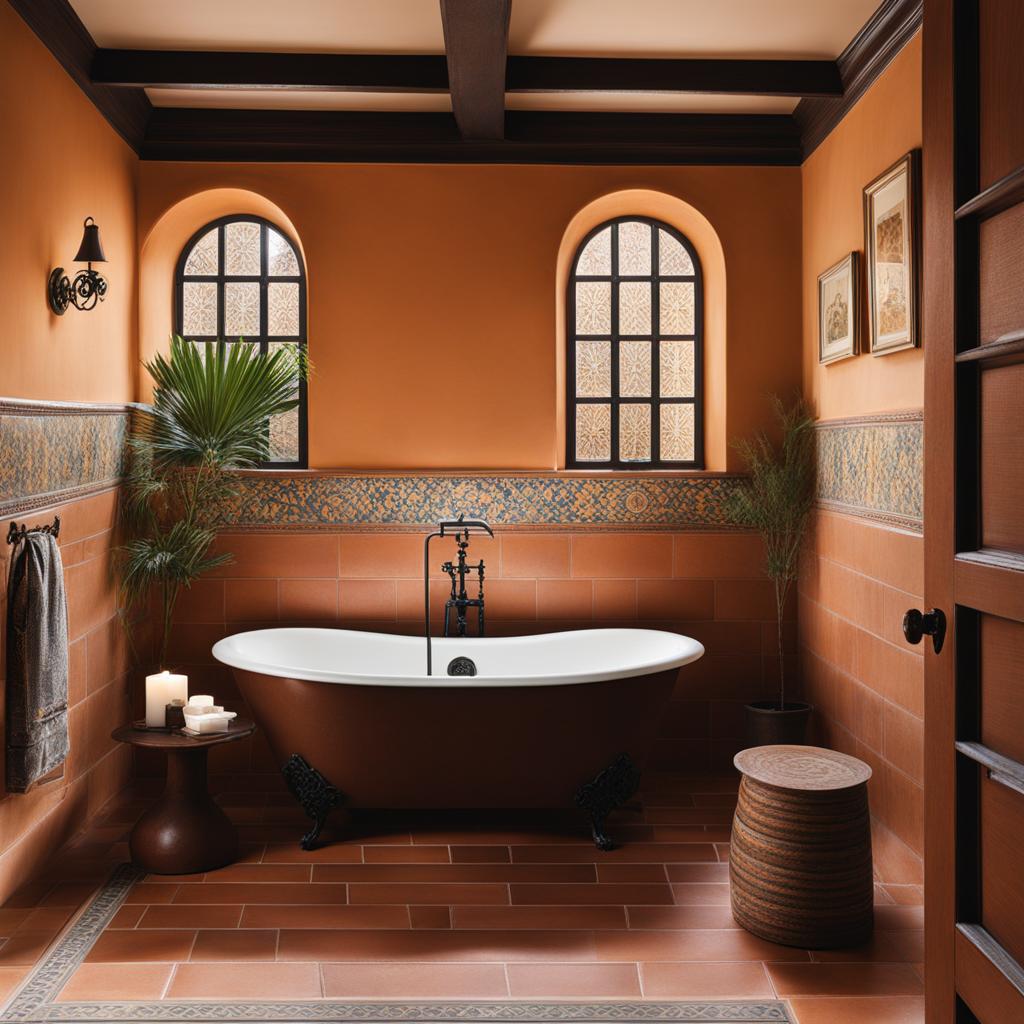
x=768, y=724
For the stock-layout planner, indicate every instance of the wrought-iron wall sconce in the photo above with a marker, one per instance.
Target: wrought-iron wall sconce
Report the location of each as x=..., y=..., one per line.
x=87, y=287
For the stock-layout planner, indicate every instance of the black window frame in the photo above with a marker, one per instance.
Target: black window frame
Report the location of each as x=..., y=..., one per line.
x=264, y=278
x=654, y=400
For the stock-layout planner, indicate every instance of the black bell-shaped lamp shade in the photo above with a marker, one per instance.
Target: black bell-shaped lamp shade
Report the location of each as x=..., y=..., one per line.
x=91, y=249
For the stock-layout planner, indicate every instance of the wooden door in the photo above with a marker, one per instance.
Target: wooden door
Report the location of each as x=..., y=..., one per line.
x=974, y=511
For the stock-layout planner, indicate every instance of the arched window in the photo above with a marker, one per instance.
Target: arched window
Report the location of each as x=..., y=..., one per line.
x=634, y=346
x=241, y=278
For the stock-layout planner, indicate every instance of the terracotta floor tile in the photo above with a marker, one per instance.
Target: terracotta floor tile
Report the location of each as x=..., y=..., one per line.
x=594, y=895
x=845, y=979
x=573, y=981
x=127, y=917
x=339, y=916
x=538, y=918
x=706, y=893
x=263, y=892
x=291, y=853
x=11, y=917
x=430, y=917
x=138, y=946
x=854, y=1010
x=697, y=872
x=235, y=944
x=674, y=918
x=420, y=946
x=688, y=816
x=456, y=873
x=245, y=981
x=10, y=979
x=42, y=919
x=71, y=894
x=480, y=854
x=427, y=893
x=116, y=981
x=898, y=917
x=907, y=895
x=651, y=853
x=414, y=981
x=891, y=947
x=174, y=916
x=705, y=981
x=708, y=945
x=25, y=947
x=631, y=873
x=146, y=892
x=260, y=873
x=413, y=854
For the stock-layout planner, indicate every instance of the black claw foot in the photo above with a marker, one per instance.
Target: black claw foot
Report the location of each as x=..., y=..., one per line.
x=611, y=788
x=316, y=795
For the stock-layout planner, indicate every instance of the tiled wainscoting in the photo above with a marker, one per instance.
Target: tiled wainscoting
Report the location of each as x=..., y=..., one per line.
x=707, y=585
x=866, y=682
x=33, y=825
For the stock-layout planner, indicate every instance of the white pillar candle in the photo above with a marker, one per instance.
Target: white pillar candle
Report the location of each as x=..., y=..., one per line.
x=161, y=689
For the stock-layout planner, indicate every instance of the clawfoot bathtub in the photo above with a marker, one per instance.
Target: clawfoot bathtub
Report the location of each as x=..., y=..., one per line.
x=544, y=721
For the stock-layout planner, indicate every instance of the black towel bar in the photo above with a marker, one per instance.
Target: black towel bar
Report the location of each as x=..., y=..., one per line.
x=17, y=533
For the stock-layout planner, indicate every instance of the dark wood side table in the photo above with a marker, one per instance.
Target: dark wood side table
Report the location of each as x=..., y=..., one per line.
x=184, y=832
x=800, y=858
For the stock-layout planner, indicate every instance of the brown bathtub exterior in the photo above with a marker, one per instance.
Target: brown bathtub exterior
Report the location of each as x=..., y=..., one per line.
x=446, y=747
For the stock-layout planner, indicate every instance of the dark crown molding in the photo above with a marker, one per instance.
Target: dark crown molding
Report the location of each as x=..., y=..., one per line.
x=870, y=52
x=61, y=31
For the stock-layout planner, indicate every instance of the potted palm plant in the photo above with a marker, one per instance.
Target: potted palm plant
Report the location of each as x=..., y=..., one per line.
x=212, y=404
x=776, y=500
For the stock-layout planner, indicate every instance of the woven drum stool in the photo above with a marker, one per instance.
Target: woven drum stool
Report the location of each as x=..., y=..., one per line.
x=800, y=859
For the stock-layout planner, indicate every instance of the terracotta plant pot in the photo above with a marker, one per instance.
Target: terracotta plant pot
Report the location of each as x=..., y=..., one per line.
x=767, y=723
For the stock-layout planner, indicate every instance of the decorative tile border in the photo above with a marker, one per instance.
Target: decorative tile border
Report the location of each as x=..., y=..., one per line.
x=35, y=1000
x=56, y=451
x=367, y=502
x=873, y=467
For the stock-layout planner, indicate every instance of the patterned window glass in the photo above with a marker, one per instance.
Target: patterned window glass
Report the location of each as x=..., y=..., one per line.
x=242, y=279
x=635, y=311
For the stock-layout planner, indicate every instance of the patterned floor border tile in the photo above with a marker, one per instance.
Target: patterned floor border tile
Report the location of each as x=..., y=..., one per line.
x=34, y=1001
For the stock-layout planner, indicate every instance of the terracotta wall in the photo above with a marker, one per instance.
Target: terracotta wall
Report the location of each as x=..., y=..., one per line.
x=62, y=162
x=860, y=575
x=432, y=296
x=33, y=825
x=707, y=585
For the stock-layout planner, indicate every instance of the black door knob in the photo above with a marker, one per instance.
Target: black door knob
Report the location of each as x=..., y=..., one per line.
x=918, y=624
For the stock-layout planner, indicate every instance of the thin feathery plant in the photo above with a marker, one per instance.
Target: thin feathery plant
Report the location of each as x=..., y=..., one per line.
x=212, y=404
x=777, y=500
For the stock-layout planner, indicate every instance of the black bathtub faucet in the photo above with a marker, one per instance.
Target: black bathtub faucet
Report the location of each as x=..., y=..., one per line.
x=459, y=601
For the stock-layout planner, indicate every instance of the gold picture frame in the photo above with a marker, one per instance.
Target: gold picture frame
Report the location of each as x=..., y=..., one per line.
x=839, y=310
x=892, y=240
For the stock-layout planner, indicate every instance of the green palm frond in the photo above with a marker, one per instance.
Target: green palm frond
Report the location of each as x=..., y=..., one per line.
x=210, y=414
x=212, y=403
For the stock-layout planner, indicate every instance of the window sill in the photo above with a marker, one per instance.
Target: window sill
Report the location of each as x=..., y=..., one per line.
x=624, y=474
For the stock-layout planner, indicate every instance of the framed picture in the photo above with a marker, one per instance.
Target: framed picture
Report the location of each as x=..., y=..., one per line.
x=839, y=310
x=892, y=212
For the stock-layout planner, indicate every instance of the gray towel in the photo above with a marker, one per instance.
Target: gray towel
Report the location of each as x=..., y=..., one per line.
x=37, y=662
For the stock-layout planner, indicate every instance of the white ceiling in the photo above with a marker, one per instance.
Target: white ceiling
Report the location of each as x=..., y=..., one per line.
x=810, y=29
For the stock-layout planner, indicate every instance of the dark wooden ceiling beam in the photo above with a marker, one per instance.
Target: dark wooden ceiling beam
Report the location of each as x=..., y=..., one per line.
x=476, y=47
x=61, y=31
x=640, y=74
x=201, y=69
x=545, y=137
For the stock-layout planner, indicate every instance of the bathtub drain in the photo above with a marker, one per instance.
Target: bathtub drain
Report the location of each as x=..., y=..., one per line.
x=461, y=667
